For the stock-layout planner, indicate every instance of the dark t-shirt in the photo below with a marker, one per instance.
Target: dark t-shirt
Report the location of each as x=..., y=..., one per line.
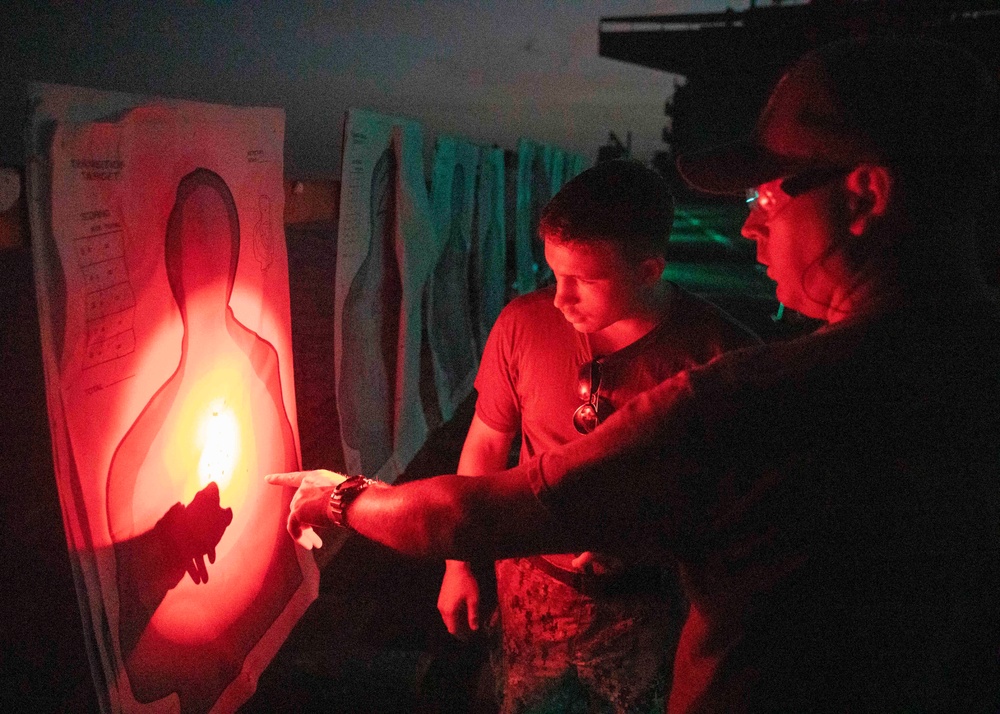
x=833, y=505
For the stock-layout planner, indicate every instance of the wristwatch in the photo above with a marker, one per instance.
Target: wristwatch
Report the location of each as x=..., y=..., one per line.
x=345, y=492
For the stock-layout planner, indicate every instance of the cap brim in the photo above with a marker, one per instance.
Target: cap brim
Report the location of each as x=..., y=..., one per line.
x=730, y=169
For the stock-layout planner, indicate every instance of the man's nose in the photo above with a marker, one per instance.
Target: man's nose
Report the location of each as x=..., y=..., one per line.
x=755, y=229
x=564, y=295
x=753, y=226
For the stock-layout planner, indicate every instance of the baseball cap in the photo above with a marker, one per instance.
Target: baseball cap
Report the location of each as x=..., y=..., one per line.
x=886, y=100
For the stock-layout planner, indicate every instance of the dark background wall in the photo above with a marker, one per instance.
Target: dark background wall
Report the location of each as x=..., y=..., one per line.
x=230, y=53
x=491, y=71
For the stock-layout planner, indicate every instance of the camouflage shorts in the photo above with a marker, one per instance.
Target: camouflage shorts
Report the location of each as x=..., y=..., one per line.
x=562, y=651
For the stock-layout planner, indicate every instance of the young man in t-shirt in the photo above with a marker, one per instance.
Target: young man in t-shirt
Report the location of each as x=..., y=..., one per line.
x=581, y=627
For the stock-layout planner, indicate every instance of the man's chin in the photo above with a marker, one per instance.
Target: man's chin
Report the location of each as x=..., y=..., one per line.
x=580, y=323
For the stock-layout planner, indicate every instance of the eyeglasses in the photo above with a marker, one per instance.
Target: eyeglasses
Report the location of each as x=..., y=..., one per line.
x=586, y=418
x=770, y=201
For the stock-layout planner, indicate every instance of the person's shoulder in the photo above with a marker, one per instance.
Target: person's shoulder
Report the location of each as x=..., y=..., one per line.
x=538, y=304
x=782, y=362
x=544, y=295
x=528, y=319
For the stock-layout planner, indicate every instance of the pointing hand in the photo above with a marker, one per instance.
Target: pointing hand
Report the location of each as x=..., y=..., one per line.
x=310, y=502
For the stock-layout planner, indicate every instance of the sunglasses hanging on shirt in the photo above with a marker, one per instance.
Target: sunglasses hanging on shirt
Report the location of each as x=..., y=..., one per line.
x=587, y=417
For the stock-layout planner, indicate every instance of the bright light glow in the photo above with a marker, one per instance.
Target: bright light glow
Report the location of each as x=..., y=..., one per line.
x=219, y=441
x=222, y=426
x=211, y=439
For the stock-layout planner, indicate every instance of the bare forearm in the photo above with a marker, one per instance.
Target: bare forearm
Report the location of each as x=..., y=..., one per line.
x=456, y=517
x=419, y=518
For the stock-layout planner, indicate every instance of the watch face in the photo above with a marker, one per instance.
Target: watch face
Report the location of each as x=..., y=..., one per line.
x=345, y=492
x=10, y=188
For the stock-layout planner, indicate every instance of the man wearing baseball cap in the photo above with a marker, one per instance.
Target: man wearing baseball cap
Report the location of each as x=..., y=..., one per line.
x=832, y=501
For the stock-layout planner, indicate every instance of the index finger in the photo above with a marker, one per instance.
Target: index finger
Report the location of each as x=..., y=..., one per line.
x=292, y=478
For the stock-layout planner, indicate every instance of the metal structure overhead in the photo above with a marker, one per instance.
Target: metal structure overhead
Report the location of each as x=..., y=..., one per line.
x=733, y=42
x=731, y=59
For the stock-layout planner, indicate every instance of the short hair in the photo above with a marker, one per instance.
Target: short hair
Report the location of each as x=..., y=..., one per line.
x=622, y=203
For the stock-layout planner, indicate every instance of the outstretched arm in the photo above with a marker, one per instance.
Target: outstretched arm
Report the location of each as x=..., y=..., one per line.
x=618, y=487
x=457, y=517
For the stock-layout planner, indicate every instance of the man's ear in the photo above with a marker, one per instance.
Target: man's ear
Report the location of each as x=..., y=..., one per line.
x=870, y=189
x=651, y=269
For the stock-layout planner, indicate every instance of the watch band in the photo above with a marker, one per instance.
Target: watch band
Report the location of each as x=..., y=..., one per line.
x=345, y=492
